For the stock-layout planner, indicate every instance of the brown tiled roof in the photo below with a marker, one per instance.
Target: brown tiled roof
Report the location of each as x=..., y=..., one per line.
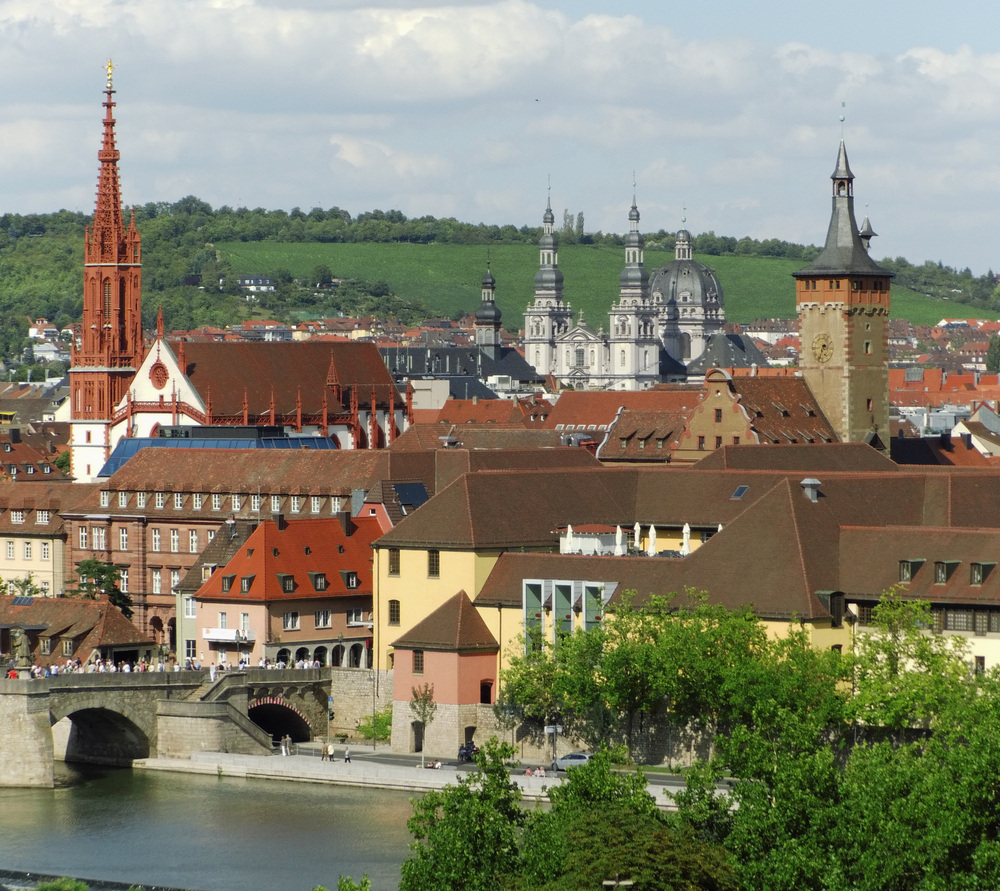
x=298, y=472
x=56, y=498
x=455, y=626
x=582, y=408
x=870, y=559
x=477, y=436
x=503, y=412
x=218, y=552
x=223, y=372
x=793, y=458
x=783, y=410
x=647, y=434
x=499, y=509
x=91, y=624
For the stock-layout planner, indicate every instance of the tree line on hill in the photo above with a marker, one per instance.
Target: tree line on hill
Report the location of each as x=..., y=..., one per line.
x=41, y=257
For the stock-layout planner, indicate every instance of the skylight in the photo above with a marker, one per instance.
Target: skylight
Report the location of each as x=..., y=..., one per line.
x=740, y=492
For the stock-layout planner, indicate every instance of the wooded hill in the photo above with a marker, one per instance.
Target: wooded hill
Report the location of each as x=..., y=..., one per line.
x=328, y=263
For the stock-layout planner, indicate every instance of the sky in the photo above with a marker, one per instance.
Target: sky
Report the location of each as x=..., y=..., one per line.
x=721, y=116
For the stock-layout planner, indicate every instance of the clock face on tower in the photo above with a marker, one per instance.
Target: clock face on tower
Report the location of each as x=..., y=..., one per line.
x=822, y=347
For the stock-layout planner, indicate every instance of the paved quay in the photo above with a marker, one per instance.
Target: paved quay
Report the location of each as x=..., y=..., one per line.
x=305, y=766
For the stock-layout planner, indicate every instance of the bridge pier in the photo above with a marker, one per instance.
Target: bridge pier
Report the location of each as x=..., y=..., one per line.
x=25, y=735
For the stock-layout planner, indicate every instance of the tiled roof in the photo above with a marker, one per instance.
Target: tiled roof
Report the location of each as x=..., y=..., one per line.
x=476, y=436
x=301, y=550
x=579, y=409
x=481, y=411
x=91, y=623
x=223, y=372
x=304, y=472
x=644, y=434
x=218, y=552
x=821, y=457
x=455, y=626
x=30, y=498
x=783, y=410
x=870, y=559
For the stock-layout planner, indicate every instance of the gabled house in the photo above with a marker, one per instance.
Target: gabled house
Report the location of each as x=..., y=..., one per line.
x=61, y=629
x=296, y=591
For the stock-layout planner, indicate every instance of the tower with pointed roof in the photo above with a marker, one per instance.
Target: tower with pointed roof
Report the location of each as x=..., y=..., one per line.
x=110, y=348
x=843, y=304
x=633, y=341
x=488, y=318
x=549, y=315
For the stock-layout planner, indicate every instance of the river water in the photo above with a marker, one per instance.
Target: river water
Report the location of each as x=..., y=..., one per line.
x=204, y=833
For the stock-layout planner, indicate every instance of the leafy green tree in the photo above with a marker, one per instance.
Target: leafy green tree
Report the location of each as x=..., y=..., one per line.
x=466, y=836
x=423, y=707
x=22, y=587
x=993, y=355
x=382, y=725
x=97, y=579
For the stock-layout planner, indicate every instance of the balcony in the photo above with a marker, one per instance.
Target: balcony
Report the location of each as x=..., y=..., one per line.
x=228, y=635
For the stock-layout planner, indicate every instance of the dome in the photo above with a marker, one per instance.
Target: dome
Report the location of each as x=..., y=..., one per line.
x=633, y=276
x=687, y=283
x=488, y=313
x=549, y=277
x=488, y=280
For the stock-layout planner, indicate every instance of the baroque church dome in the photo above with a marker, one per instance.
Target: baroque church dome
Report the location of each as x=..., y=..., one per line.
x=684, y=281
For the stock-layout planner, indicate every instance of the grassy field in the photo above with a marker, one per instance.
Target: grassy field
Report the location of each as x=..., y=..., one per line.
x=446, y=278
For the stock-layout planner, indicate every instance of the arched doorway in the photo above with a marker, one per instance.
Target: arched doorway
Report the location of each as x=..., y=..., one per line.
x=278, y=719
x=356, y=656
x=283, y=657
x=337, y=656
x=302, y=655
x=319, y=655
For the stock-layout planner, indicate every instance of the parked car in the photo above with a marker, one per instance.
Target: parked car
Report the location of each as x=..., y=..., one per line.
x=573, y=759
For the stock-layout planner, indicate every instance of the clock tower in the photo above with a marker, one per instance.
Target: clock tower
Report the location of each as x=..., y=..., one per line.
x=843, y=304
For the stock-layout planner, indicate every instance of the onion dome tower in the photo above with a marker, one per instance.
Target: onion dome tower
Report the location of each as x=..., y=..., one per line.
x=633, y=341
x=843, y=303
x=549, y=315
x=488, y=318
x=105, y=357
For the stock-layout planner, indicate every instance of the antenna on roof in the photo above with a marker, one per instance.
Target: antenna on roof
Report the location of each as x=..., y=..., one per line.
x=843, y=117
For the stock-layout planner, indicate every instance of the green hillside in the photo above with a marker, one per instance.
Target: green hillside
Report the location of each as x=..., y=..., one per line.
x=446, y=277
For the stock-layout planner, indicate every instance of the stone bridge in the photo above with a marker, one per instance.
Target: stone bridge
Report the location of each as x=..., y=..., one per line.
x=113, y=719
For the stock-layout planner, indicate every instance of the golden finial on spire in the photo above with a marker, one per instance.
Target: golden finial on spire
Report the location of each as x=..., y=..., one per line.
x=110, y=68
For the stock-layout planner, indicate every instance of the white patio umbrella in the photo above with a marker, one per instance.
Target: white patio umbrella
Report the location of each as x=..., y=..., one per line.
x=619, y=541
x=569, y=540
x=686, y=543
x=638, y=534
x=652, y=541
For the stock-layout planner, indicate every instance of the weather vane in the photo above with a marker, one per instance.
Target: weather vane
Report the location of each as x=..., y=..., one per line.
x=110, y=68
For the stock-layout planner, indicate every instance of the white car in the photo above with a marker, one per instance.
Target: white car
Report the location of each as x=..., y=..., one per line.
x=573, y=759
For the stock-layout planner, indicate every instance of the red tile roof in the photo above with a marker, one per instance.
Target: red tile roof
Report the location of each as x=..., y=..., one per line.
x=300, y=550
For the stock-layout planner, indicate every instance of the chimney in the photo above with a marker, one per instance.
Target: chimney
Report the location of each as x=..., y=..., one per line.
x=811, y=487
x=346, y=523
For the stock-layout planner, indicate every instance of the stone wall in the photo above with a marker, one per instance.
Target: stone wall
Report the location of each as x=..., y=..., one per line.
x=25, y=736
x=352, y=691
x=187, y=727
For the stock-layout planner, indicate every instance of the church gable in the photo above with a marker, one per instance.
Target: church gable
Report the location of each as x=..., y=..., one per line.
x=160, y=378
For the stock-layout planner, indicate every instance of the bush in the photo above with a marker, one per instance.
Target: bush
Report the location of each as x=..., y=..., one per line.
x=383, y=725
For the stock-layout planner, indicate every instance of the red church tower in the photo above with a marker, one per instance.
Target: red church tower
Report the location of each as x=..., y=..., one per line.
x=110, y=348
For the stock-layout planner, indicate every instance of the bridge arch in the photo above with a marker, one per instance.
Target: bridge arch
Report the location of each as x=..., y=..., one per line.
x=278, y=717
x=99, y=735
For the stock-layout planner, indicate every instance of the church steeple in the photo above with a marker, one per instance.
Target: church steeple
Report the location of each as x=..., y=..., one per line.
x=109, y=351
x=488, y=318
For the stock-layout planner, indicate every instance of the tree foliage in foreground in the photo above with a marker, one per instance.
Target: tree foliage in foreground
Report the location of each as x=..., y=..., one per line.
x=602, y=824
x=873, y=771
x=98, y=579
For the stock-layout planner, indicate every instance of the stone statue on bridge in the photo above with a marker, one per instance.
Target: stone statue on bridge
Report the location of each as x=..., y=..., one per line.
x=20, y=647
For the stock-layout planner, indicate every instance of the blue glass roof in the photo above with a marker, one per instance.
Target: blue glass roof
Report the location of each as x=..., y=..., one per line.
x=127, y=448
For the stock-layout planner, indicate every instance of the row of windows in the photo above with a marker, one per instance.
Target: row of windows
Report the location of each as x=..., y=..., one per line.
x=95, y=538
x=296, y=503
x=433, y=563
x=979, y=621
x=28, y=550
x=45, y=646
x=19, y=517
x=319, y=582
x=42, y=586
x=943, y=571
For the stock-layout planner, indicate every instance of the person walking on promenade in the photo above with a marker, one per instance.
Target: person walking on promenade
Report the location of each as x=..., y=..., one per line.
x=347, y=755
x=325, y=752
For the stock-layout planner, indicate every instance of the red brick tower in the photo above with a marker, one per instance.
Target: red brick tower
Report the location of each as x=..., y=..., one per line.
x=109, y=350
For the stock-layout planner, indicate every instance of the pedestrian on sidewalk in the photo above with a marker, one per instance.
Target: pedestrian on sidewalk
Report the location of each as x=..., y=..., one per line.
x=347, y=755
x=324, y=754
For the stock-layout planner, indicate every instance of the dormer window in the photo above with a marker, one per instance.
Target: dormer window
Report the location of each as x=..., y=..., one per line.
x=905, y=571
x=105, y=498
x=943, y=570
